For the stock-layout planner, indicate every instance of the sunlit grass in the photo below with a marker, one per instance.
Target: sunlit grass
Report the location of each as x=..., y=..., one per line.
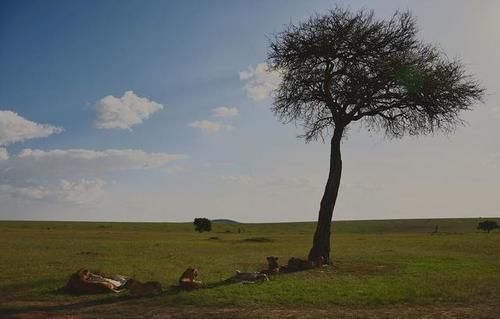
x=375, y=263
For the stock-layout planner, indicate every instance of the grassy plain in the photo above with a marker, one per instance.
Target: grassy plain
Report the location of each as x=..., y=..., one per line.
x=381, y=269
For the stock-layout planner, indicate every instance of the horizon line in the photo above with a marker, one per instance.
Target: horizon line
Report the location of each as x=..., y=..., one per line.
x=240, y=222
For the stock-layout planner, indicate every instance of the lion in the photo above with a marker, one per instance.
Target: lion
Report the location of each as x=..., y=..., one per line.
x=188, y=279
x=85, y=282
x=247, y=277
x=273, y=267
x=139, y=289
x=298, y=264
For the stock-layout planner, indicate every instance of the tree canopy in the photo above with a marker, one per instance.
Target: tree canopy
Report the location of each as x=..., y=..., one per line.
x=202, y=224
x=487, y=225
x=343, y=67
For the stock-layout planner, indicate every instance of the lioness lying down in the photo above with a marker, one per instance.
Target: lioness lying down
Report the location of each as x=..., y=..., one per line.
x=139, y=289
x=248, y=277
x=85, y=282
x=298, y=264
x=272, y=266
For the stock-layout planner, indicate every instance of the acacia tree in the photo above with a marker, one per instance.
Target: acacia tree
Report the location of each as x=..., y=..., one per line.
x=487, y=225
x=345, y=67
x=202, y=224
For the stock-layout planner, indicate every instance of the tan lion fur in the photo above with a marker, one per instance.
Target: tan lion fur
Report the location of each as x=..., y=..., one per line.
x=188, y=279
x=273, y=266
x=81, y=283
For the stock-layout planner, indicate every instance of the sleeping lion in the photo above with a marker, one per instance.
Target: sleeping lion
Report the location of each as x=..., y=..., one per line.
x=247, y=277
x=139, y=289
x=85, y=282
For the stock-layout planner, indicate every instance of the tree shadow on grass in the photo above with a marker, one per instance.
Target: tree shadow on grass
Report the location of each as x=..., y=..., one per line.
x=122, y=298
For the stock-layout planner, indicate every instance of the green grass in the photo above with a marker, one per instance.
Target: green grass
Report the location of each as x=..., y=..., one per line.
x=376, y=263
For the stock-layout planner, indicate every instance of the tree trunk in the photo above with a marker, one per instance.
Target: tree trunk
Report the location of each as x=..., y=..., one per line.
x=321, y=241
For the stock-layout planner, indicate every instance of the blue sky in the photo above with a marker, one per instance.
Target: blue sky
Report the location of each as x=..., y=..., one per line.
x=67, y=153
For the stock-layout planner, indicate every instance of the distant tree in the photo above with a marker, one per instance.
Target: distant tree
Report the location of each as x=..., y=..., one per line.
x=345, y=67
x=202, y=224
x=487, y=225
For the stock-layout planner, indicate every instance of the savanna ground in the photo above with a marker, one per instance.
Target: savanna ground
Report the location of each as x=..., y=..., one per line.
x=381, y=269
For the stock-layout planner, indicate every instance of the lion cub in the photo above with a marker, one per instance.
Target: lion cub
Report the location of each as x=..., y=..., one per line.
x=188, y=279
x=139, y=289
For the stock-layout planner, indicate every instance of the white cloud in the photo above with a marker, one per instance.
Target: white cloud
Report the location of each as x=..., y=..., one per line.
x=79, y=192
x=33, y=164
x=14, y=128
x=4, y=155
x=260, y=82
x=72, y=175
x=225, y=111
x=121, y=159
x=207, y=126
x=124, y=112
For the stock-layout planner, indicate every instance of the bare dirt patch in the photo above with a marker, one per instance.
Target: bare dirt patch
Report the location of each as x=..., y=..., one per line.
x=124, y=309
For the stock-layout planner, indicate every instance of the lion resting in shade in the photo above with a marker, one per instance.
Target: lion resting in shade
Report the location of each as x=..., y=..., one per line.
x=85, y=282
x=273, y=267
x=188, y=279
x=139, y=289
x=247, y=277
x=299, y=264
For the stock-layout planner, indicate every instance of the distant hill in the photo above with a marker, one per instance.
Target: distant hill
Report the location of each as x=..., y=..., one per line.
x=224, y=221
